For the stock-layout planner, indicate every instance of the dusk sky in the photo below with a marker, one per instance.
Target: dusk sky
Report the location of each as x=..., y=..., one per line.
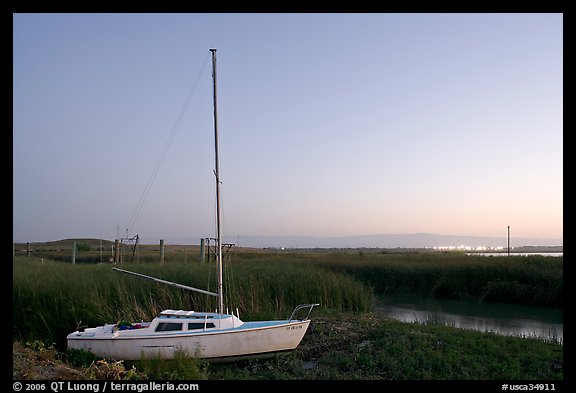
x=329, y=124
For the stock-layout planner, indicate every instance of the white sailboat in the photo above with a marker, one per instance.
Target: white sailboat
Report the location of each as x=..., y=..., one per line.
x=208, y=335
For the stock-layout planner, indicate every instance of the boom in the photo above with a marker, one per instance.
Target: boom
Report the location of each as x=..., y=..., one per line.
x=166, y=282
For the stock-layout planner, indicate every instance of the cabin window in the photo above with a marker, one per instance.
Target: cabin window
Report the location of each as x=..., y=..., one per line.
x=198, y=325
x=168, y=327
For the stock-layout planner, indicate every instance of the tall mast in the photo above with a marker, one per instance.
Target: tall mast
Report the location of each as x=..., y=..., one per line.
x=217, y=174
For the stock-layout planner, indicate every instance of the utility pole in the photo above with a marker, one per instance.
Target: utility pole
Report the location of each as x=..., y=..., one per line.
x=508, y=240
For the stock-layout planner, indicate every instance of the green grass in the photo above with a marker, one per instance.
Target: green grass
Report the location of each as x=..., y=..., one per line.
x=529, y=280
x=50, y=299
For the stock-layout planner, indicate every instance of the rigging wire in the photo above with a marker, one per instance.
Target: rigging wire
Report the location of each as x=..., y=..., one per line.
x=138, y=208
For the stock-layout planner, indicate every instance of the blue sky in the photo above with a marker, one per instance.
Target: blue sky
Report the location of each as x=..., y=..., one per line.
x=330, y=124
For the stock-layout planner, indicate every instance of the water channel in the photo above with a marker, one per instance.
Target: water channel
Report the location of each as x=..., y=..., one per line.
x=506, y=319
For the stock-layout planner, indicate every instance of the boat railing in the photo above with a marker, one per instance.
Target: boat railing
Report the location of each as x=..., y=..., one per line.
x=300, y=307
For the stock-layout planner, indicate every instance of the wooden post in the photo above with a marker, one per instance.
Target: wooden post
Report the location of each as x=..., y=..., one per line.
x=28, y=250
x=161, y=250
x=73, y=252
x=116, y=250
x=202, y=248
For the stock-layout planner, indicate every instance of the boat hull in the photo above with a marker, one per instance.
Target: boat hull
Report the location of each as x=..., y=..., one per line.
x=257, y=338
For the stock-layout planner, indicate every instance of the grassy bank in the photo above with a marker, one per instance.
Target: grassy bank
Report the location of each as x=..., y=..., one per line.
x=360, y=347
x=368, y=348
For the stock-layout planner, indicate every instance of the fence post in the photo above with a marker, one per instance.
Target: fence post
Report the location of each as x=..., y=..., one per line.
x=73, y=252
x=161, y=250
x=202, y=248
x=116, y=250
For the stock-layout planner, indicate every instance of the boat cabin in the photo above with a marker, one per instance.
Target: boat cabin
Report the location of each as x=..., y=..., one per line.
x=180, y=320
x=168, y=322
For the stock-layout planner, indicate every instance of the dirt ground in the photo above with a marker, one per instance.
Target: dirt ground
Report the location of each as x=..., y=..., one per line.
x=29, y=364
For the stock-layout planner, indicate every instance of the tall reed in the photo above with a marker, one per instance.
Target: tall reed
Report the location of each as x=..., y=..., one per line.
x=51, y=299
x=530, y=280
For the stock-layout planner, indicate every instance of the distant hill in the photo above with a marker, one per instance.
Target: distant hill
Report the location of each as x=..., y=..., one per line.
x=65, y=244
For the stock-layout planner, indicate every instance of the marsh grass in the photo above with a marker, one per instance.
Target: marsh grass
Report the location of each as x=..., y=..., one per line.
x=530, y=280
x=50, y=299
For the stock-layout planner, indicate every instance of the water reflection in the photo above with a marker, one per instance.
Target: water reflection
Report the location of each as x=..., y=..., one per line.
x=507, y=319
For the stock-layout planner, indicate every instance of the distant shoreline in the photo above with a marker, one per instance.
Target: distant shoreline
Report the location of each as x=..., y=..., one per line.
x=95, y=244
x=422, y=241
